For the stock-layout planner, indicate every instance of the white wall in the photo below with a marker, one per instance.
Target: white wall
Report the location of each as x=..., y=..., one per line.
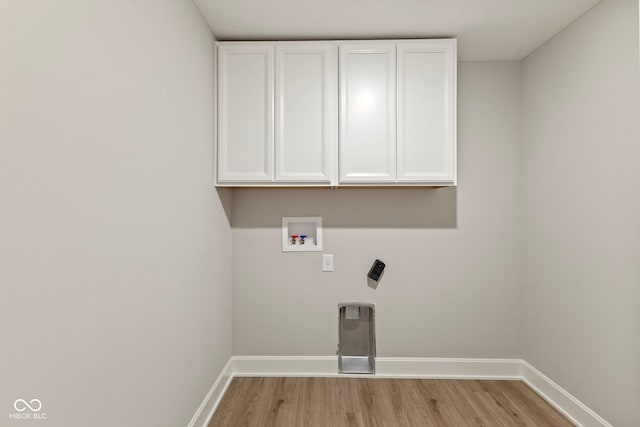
x=452, y=286
x=582, y=210
x=115, y=305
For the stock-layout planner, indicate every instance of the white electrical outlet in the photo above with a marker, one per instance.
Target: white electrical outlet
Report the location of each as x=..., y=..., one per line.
x=327, y=262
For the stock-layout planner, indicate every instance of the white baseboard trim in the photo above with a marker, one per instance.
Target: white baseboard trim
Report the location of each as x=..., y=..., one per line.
x=400, y=367
x=285, y=366
x=212, y=399
x=386, y=367
x=561, y=399
x=448, y=368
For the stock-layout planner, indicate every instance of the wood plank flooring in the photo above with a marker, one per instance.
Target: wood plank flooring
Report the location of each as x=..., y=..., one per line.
x=369, y=402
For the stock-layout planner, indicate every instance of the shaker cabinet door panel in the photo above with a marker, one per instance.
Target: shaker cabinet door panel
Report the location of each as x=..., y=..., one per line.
x=367, y=113
x=305, y=136
x=426, y=111
x=245, y=112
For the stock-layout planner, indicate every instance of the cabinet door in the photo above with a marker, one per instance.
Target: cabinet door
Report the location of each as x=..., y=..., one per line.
x=245, y=112
x=367, y=113
x=427, y=111
x=306, y=110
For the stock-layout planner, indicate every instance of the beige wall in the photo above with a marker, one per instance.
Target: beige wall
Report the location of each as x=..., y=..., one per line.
x=115, y=306
x=582, y=210
x=452, y=286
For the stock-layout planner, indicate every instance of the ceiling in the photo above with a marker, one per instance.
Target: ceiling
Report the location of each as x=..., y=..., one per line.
x=486, y=29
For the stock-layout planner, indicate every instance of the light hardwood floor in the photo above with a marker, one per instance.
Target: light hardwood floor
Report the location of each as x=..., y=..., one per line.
x=368, y=402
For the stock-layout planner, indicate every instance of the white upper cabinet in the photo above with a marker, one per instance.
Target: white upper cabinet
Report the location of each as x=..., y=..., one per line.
x=427, y=112
x=337, y=113
x=306, y=114
x=367, y=113
x=245, y=112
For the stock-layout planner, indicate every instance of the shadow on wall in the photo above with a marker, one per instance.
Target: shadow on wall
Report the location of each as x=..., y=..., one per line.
x=224, y=195
x=347, y=207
